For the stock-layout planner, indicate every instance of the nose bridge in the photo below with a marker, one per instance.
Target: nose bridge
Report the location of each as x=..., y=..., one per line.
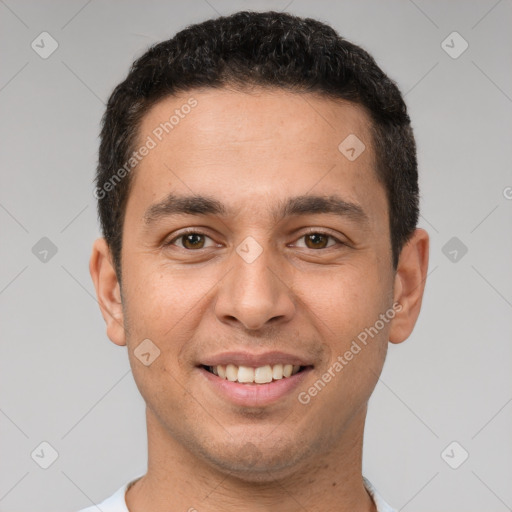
x=252, y=293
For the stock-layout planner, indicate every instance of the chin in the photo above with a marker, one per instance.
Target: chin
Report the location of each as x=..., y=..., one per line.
x=252, y=464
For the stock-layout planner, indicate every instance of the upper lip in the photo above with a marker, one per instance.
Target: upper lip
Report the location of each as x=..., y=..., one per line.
x=254, y=360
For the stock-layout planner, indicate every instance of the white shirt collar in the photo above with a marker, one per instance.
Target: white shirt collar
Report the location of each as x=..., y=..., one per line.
x=117, y=502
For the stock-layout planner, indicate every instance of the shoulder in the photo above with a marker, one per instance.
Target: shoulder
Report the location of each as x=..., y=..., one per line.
x=114, y=503
x=380, y=504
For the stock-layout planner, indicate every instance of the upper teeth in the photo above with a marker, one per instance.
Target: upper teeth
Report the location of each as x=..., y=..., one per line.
x=260, y=375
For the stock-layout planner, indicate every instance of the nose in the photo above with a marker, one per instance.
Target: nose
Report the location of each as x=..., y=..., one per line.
x=254, y=295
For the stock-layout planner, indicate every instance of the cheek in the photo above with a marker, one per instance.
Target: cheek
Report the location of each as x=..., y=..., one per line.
x=346, y=307
x=158, y=308
x=161, y=302
x=346, y=299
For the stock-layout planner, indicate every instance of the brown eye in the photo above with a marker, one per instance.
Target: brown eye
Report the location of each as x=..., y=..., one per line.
x=316, y=240
x=191, y=241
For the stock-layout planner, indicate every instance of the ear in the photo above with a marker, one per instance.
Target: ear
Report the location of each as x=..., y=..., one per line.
x=409, y=285
x=108, y=291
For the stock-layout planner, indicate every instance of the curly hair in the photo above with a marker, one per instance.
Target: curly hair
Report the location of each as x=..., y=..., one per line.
x=267, y=49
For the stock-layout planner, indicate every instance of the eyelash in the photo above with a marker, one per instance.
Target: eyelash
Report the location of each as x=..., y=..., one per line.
x=311, y=232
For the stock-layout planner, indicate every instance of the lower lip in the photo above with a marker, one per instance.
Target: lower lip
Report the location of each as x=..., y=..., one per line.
x=255, y=394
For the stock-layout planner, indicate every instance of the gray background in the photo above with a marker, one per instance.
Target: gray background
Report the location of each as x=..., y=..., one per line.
x=64, y=382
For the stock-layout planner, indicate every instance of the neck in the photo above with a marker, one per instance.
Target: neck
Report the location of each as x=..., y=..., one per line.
x=178, y=480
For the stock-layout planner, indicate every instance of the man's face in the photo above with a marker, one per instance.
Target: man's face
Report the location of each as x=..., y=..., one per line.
x=250, y=287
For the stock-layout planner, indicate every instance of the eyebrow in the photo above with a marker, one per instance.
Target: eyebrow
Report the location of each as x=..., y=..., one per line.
x=300, y=205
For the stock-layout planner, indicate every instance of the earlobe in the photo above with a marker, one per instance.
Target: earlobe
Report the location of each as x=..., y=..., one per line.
x=409, y=285
x=108, y=291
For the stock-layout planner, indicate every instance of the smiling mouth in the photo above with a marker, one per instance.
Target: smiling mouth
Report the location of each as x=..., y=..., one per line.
x=251, y=375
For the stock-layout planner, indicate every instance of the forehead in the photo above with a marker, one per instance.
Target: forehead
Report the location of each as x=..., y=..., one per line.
x=240, y=145
x=223, y=119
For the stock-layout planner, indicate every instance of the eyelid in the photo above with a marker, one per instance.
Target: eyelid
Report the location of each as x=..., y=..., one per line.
x=198, y=231
x=184, y=232
x=321, y=231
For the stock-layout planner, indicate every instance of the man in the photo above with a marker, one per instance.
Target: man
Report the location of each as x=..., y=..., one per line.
x=258, y=195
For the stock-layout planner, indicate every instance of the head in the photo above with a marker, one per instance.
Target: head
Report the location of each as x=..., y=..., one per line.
x=271, y=50
x=258, y=193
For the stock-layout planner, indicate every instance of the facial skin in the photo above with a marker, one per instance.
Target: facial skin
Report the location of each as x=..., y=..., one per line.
x=305, y=296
